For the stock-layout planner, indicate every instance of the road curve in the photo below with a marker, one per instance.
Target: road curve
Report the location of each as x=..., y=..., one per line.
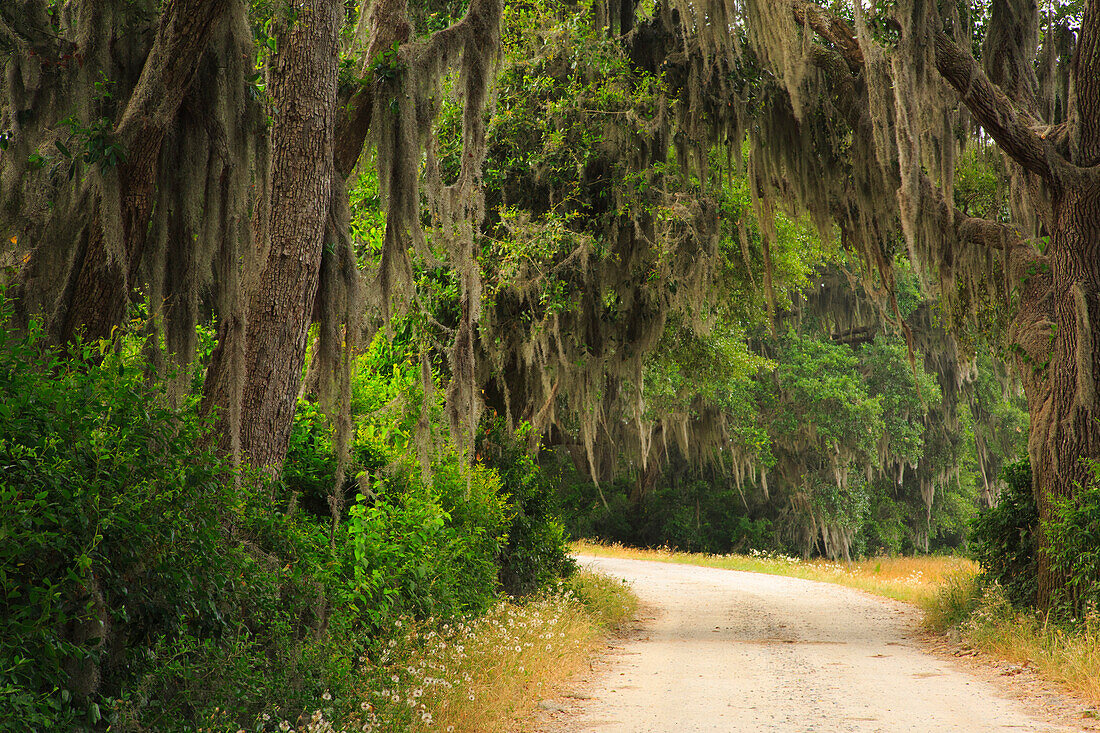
x=734, y=651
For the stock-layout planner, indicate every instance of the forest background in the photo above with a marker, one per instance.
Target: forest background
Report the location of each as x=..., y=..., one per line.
x=324, y=319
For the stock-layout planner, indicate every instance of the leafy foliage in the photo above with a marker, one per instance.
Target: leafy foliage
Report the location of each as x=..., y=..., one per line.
x=534, y=553
x=1004, y=537
x=123, y=597
x=1074, y=533
x=145, y=583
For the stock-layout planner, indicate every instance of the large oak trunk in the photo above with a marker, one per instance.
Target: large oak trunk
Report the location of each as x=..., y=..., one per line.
x=1059, y=365
x=280, y=307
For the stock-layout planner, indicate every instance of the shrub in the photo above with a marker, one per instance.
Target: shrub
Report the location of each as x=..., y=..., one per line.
x=414, y=555
x=535, y=552
x=1074, y=538
x=1003, y=537
x=136, y=583
x=145, y=585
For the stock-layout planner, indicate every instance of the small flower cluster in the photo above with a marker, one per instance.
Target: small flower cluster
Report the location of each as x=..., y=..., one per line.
x=914, y=578
x=432, y=675
x=770, y=555
x=448, y=675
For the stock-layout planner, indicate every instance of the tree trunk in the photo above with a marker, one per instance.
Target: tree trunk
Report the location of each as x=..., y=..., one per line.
x=97, y=301
x=1058, y=361
x=303, y=84
x=1065, y=409
x=101, y=293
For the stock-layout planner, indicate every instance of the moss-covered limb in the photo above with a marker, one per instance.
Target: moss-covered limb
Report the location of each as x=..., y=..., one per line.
x=386, y=25
x=852, y=97
x=27, y=27
x=186, y=28
x=831, y=28
x=1014, y=129
x=1009, y=48
x=102, y=114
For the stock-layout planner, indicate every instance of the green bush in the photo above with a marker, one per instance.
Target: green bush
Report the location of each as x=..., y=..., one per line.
x=1074, y=538
x=144, y=583
x=138, y=587
x=1003, y=537
x=418, y=551
x=535, y=552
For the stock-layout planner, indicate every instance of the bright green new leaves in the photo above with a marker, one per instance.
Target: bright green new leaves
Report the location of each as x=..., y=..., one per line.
x=823, y=402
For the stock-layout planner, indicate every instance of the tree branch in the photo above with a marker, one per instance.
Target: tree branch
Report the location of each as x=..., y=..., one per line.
x=452, y=39
x=182, y=37
x=98, y=299
x=986, y=233
x=831, y=28
x=390, y=25
x=1013, y=129
x=983, y=232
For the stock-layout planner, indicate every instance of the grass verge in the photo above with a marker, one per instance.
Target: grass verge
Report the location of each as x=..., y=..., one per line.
x=984, y=619
x=909, y=579
x=482, y=675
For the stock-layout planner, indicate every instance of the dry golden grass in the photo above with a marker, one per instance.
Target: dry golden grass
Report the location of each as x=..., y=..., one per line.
x=483, y=675
x=985, y=620
x=909, y=579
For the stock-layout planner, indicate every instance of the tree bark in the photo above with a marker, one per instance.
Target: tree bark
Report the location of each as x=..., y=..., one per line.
x=303, y=84
x=97, y=301
x=1060, y=368
x=1063, y=308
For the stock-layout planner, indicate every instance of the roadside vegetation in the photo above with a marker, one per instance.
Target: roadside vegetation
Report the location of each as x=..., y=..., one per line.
x=994, y=611
x=914, y=579
x=149, y=584
x=481, y=674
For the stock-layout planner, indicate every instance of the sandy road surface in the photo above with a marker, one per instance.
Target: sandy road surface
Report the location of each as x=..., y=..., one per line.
x=732, y=651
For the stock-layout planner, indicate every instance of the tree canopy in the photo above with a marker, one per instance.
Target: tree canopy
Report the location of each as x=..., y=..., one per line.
x=614, y=198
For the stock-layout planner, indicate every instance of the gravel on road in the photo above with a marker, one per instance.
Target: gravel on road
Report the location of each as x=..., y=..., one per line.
x=724, y=650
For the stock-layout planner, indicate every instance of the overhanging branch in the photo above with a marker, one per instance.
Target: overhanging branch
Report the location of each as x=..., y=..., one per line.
x=982, y=232
x=831, y=28
x=1012, y=129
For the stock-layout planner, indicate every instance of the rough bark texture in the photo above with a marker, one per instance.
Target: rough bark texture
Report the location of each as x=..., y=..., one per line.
x=303, y=86
x=1061, y=368
x=1062, y=396
x=99, y=296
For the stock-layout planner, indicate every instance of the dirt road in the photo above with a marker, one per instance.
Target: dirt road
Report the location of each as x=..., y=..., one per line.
x=732, y=651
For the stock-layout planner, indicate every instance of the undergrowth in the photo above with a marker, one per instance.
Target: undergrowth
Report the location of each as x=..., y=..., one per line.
x=146, y=584
x=475, y=675
x=994, y=611
x=1066, y=652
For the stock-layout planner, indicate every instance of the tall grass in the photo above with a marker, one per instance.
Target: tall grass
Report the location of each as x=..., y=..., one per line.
x=909, y=579
x=481, y=675
x=982, y=616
